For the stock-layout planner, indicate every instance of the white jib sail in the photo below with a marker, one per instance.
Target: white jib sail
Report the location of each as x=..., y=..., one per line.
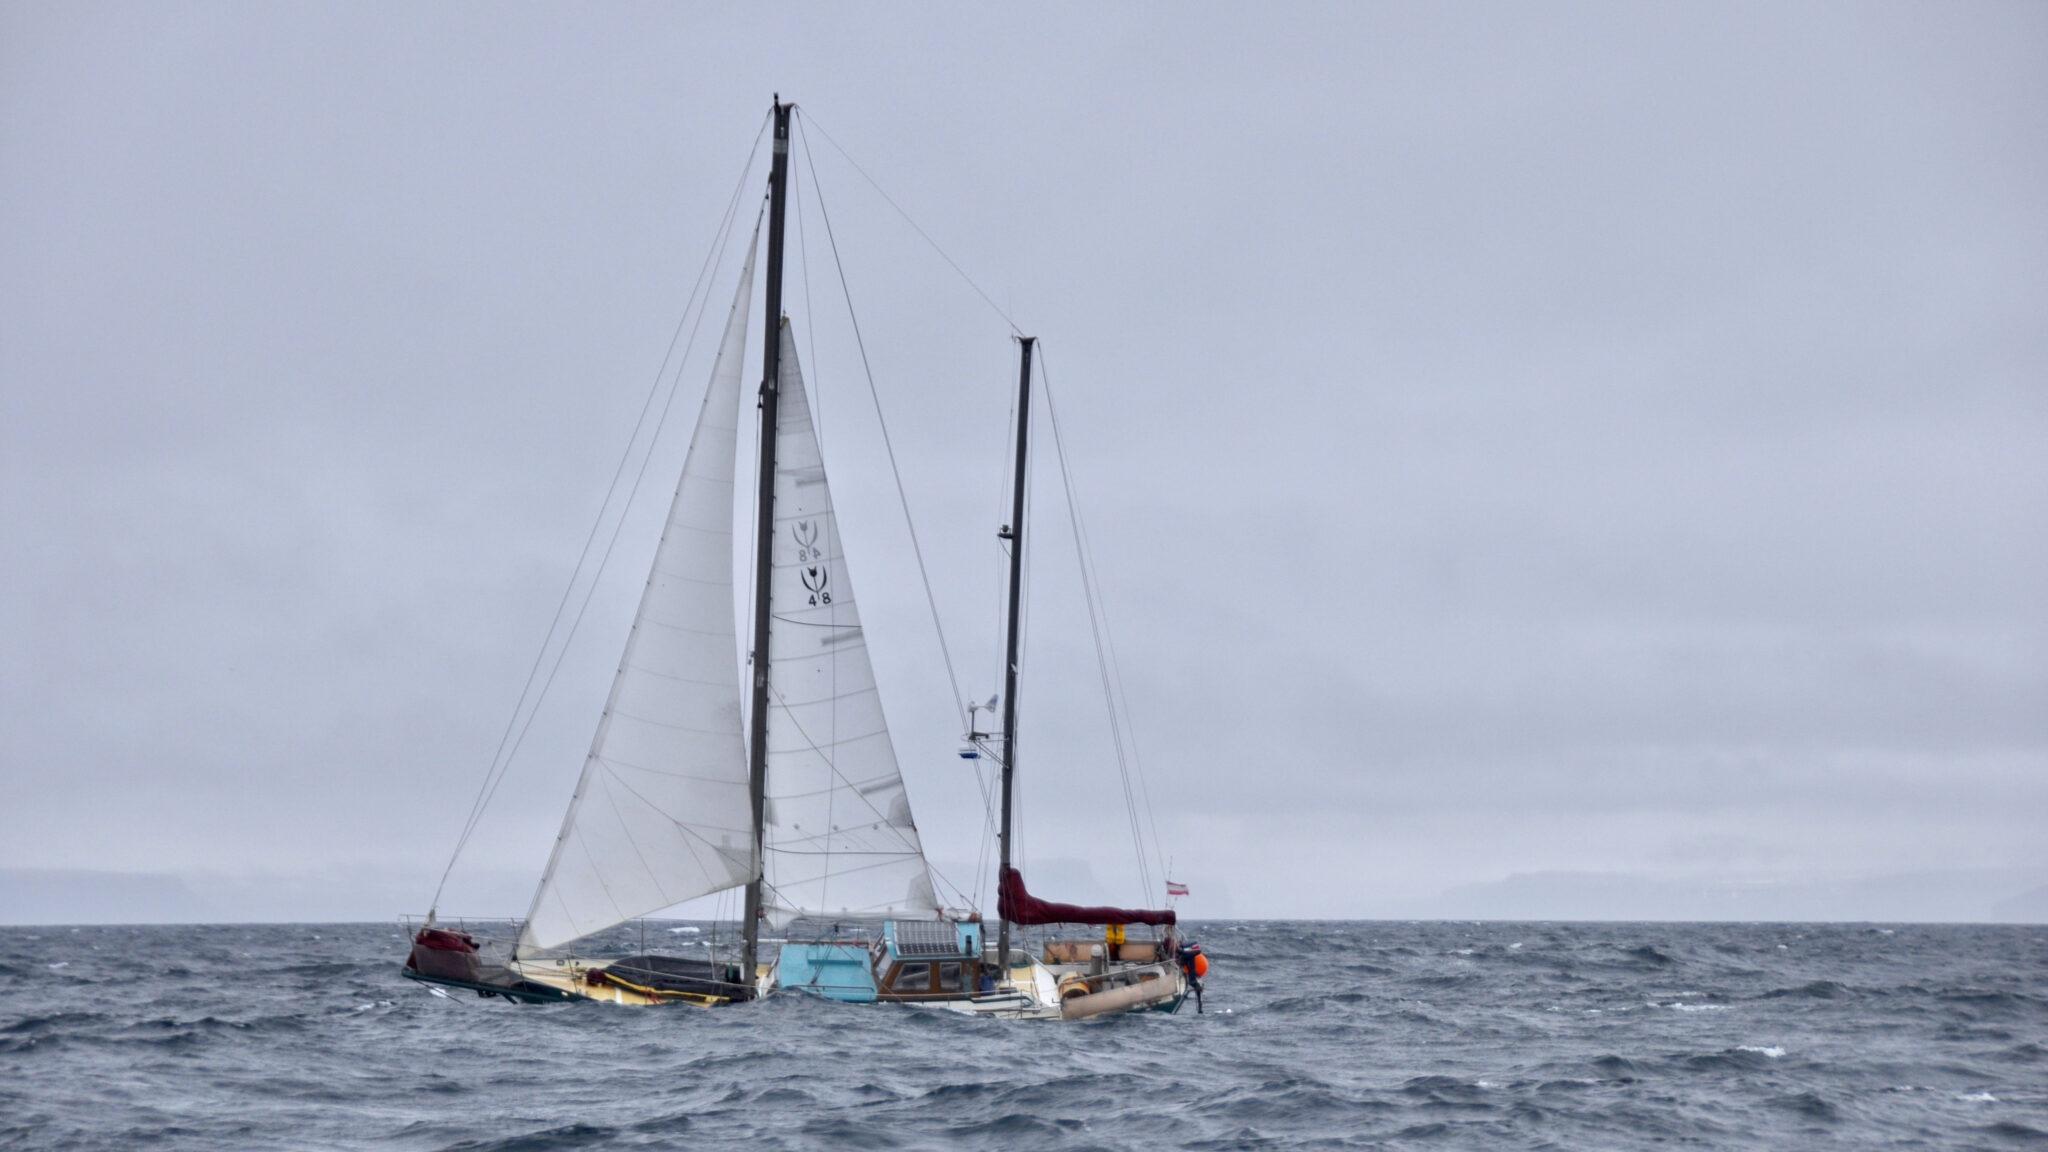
x=661, y=813
x=838, y=833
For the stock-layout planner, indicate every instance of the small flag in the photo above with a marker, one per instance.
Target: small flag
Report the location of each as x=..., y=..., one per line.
x=1176, y=888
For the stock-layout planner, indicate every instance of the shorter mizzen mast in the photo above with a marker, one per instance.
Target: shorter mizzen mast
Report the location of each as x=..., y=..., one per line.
x=1014, y=533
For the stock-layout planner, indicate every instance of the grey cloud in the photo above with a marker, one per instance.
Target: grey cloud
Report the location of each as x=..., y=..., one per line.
x=1600, y=439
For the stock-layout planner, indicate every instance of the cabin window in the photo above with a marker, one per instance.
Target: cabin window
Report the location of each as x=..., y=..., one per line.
x=912, y=978
x=949, y=976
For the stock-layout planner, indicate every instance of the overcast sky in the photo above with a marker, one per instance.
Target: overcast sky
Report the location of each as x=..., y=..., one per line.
x=1598, y=439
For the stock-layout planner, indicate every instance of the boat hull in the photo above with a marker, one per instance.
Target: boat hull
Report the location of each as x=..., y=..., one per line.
x=518, y=992
x=1030, y=993
x=453, y=959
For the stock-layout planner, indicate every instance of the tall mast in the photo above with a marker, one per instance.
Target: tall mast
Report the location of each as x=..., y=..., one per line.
x=764, y=540
x=1015, y=534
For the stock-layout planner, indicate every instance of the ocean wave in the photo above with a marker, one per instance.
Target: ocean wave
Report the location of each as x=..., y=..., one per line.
x=1630, y=1037
x=1811, y=990
x=43, y=1022
x=1281, y=1098
x=1738, y=1059
x=2025, y=1052
x=541, y=1140
x=1016, y=1126
x=1615, y=1067
x=1810, y=1105
x=2015, y=1132
x=1988, y=998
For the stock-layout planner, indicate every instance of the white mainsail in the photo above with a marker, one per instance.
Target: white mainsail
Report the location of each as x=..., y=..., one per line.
x=839, y=838
x=661, y=813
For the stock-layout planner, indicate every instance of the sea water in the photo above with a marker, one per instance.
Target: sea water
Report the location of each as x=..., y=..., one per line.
x=1316, y=1035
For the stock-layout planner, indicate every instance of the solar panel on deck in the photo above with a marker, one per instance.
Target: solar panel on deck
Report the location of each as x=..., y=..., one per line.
x=926, y=939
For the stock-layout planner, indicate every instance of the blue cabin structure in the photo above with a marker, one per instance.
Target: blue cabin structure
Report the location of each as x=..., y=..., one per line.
x=913, y=960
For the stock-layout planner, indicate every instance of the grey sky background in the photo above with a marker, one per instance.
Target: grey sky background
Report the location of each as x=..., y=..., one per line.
x=1606, y=439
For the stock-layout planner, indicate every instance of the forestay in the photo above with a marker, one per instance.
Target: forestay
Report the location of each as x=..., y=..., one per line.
x=839, y=836
x=661, y=813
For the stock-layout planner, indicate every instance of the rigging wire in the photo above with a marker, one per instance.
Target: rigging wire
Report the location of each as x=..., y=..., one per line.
x=807, y=117
x=990, y=800
x=817, y=406
x=1110, y=674
x=591, y=591
x=888, y=445
x=501, y=758
x=881, y=818
x=874, y=395
x=1105, y=657
x=952, y=263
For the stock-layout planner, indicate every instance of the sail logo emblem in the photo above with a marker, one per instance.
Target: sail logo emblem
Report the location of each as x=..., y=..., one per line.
x=806, y=534
x=817, y=578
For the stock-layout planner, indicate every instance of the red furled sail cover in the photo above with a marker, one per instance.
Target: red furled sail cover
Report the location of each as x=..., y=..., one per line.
x=1021, y=907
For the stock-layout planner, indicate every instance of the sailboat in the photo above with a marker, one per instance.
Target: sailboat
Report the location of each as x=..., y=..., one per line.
x=797, y=800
